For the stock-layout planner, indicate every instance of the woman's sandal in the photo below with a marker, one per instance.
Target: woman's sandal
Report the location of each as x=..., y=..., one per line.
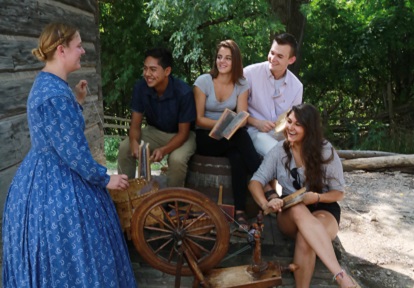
x=341, y=275
x=241, y=220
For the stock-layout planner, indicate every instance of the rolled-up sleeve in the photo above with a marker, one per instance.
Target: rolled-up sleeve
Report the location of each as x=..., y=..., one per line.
x=335, y=174
x=268, y=169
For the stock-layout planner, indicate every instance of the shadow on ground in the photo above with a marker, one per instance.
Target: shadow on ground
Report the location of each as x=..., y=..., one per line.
x=371, y=275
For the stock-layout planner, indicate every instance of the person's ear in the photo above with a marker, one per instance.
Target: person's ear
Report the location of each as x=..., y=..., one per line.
x=292, y=60
x=168, y=71
x=60, y=49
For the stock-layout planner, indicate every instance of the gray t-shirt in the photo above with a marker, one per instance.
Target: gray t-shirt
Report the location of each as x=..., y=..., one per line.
x=273, y=167
x=214, y=108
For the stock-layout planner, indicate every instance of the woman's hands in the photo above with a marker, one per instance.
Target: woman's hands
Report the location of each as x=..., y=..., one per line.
x=311, y=198
x=118, y=182
x=80, y=91
x=274, y=205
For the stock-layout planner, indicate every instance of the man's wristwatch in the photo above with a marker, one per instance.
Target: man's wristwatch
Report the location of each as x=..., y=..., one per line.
x=271, y=194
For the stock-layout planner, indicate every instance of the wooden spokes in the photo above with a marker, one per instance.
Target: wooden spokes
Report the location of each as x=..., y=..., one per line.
x=177, y=221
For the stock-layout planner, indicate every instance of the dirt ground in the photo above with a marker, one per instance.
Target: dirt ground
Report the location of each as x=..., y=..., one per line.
x=377, y=228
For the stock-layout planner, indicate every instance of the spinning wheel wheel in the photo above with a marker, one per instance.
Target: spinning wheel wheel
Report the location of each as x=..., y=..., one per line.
x=177, y=224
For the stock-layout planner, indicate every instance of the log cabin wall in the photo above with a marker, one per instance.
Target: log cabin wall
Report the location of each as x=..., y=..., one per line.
x=21, y=23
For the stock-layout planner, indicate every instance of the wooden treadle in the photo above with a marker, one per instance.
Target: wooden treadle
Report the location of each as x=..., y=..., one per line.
x=240, y=277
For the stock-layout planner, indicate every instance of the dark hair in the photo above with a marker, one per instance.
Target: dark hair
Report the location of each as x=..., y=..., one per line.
x=313, y=141
x=236, y=61
x=287, y=39
x=53, y=35
x=163, y=55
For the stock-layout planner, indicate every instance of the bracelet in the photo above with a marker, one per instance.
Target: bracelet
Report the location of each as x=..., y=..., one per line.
x=269, y=195
x=319, y=198
x=340, y=273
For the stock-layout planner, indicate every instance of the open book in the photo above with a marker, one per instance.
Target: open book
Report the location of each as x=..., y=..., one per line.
x=227, y=124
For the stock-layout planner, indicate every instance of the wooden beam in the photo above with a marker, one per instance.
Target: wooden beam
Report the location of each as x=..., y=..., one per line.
x=352, y=154
x=377, y=163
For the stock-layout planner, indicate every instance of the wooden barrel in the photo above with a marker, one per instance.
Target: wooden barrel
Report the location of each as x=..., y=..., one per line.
x=205, y=174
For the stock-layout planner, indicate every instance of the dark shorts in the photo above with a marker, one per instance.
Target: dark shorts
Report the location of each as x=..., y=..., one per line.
x=332, y=208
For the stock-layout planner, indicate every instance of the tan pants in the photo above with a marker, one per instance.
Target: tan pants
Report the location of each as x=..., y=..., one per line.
x=177, y=160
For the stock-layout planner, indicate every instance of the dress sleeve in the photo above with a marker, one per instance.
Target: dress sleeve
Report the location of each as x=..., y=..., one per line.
x=64, y=131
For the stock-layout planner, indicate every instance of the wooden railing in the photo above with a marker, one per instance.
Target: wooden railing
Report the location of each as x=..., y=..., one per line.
x=116, y=127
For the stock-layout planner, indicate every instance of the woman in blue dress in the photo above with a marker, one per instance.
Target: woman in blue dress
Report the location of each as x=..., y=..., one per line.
x=60, y=227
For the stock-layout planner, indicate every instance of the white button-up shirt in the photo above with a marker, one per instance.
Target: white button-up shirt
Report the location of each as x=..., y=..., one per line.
x=266, y=102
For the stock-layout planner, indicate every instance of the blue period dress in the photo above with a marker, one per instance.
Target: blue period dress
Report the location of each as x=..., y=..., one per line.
x=60, y=227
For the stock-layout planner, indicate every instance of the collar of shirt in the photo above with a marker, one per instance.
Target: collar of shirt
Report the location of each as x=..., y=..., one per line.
x=168, y=93
x=286, y=76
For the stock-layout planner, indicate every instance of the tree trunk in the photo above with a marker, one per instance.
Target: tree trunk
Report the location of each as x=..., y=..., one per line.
x=289, y=14
x=378, y=163
x=390, y=106
x=351, y=154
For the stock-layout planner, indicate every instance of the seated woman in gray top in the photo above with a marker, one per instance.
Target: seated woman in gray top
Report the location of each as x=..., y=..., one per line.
x=305, y=159
x=225, y=87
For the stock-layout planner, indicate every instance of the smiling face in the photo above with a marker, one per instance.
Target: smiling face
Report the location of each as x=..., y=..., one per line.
x=73, y=53
x=279, y=59
x=294, y=130
x=155, y=76
x=224, y=60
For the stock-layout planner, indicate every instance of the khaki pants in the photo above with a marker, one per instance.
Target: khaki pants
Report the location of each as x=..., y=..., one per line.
x=177, y=160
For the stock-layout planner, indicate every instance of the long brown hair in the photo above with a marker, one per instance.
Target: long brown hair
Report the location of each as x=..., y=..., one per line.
x=53, y=35
x=313, y=141
x=236, y=61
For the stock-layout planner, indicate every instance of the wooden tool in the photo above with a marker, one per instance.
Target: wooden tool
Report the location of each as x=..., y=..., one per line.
x=291, y=199
x=228, y=210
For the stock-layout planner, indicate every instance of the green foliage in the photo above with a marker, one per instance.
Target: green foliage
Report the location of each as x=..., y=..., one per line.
x=206, y=23
x=381, y=138
x=124, y=38
x=357, y=57
x=358, y=66
x=111, y=146
x=190, y=29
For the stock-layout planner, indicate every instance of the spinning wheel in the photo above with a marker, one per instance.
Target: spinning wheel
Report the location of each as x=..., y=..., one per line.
x=180, y=232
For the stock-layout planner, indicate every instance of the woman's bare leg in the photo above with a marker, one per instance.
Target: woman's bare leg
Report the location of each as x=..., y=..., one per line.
x=317, y=231
x=305, y=258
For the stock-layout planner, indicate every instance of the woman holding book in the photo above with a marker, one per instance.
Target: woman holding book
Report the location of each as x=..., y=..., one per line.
x=225, y=87
x=305, y=159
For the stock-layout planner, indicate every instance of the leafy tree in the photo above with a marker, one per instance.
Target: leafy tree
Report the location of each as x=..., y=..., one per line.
x=356, y=61
x=196, y=27
x=358, y=66
x=190, y=29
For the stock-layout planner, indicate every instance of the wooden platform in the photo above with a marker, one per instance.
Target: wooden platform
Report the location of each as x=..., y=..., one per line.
x=239, y=277
x=275, y=247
